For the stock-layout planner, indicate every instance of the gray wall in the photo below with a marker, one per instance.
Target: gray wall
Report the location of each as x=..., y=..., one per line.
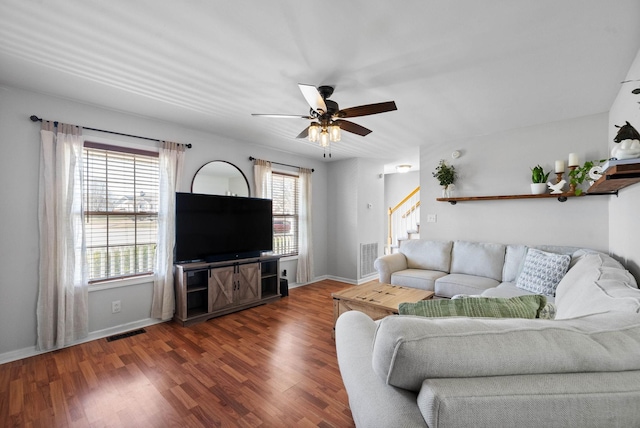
x=19, y=169
x=624, y=211
x=396, y=187
x=354, y=184
x=370, y=209
x=489, y=165
x=500, y=164
x=342, y=221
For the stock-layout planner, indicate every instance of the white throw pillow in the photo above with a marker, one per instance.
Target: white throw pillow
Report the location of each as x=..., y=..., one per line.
x=542, y=272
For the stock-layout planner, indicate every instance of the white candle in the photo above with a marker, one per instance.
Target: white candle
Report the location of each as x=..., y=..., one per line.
x=559, y=166
x=573, y=159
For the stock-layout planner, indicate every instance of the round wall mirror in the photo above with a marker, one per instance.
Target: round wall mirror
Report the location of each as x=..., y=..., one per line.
x=220, y=178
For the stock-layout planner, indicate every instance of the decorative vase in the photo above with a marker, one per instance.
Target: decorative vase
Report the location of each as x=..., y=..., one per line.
x=447, y=191
x=538, y=188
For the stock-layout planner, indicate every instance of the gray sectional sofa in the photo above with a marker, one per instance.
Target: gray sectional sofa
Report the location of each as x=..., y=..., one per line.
x=581, y=369
x=450, y=268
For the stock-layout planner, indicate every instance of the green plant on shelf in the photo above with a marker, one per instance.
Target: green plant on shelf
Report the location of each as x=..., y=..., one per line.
x=538, y=175
x=578, y=175
x=446, y=174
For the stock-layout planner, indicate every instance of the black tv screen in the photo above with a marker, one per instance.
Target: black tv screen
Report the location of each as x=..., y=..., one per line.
x=214, y=228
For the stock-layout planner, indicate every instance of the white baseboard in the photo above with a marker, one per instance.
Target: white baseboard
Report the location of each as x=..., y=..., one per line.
x=32, y=351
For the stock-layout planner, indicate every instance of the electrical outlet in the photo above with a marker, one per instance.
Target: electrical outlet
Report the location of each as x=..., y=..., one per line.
x=284, y=272
x=115, y=306
x=431, y=218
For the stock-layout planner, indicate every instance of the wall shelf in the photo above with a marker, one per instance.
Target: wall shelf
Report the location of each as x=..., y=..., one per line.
x=617, y=177
x=613, y=179
x=562, y=197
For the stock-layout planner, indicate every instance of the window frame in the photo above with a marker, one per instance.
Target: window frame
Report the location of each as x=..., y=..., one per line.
x=285, y=217
x=136, y=277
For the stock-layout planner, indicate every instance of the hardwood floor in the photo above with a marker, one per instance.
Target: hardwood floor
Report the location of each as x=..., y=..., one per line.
x=270, y=366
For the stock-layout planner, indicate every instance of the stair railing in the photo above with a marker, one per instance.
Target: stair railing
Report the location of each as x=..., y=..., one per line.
x=404, y=218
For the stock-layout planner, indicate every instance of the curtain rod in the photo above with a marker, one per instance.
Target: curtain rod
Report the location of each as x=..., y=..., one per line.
x=35, y=118
x=251, y=158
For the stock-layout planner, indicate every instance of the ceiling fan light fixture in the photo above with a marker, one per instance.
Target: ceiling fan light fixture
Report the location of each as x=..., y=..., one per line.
x=403, y=168
x=334, y=133
x=324, y=138
x=314, y=132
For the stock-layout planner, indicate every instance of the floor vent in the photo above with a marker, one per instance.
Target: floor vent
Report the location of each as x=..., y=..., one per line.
x=368, y=255
x=127, y=334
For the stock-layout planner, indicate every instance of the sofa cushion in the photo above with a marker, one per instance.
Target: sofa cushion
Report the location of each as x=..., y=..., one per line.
x=597, y=283
x=509, y=289
x=513, y=259
x=566, y=400
x=407, y=349
x=416, y=278
x=457, y=283
x=429, y=255
x=479, y=259
x=515, y=307
x=542, y=271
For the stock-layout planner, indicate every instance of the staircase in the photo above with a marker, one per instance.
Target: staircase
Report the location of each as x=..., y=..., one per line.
x=404, y=221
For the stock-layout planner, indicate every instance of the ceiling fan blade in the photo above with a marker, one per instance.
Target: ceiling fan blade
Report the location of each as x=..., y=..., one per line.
x=304, y=133
x=313, y=97
x=368, y=109
x=345, y=125
x=282, y=116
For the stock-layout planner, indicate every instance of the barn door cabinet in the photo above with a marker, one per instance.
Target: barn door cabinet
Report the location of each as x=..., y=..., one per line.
x=208, y=290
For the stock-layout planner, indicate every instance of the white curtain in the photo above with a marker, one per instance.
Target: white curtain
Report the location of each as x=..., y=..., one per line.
x=304, y=272
x=62, y=308
x=171, y=159
x=262, y=178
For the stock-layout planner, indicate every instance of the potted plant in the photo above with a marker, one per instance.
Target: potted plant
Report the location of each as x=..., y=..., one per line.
x=446, y=175
x=538, y=180
x=578, y=175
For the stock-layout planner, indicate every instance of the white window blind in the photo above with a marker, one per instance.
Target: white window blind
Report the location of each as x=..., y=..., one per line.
x=121, y=211
x=285, y=213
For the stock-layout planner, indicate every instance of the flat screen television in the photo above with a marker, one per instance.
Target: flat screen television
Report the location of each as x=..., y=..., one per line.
x=215, y=228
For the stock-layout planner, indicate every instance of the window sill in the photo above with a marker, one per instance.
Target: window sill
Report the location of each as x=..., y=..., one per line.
x=116, y=283
x=288, y=258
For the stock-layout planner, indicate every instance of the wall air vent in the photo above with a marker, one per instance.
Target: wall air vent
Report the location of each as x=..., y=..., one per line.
x=127, y=334
x=368, y=255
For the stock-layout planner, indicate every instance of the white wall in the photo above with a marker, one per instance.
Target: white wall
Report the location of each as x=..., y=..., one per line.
x=19, y=169
x=500, y=164
x=624, y=210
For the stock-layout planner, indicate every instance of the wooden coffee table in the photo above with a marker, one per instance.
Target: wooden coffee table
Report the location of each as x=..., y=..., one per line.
x=375, y=299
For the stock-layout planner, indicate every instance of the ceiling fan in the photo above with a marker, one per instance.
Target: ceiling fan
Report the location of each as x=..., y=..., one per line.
x=327, y=117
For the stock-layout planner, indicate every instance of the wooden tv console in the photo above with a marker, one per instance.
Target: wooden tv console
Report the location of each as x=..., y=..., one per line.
x=208, y=290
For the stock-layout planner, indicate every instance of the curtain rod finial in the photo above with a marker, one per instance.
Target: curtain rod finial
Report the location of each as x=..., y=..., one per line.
x=35, y=118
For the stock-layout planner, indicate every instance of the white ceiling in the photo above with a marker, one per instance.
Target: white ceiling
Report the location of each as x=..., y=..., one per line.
x=455, y=68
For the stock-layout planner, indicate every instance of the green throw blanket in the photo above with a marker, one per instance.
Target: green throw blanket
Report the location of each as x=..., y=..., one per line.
x=528, y=306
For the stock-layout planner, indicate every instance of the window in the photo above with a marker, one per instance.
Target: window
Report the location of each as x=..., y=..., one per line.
x=284, y=190
x=121, y=211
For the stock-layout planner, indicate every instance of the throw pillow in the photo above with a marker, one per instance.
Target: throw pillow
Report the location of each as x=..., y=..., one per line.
x=542, y=271
x=548, y=312
x=490, y=307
